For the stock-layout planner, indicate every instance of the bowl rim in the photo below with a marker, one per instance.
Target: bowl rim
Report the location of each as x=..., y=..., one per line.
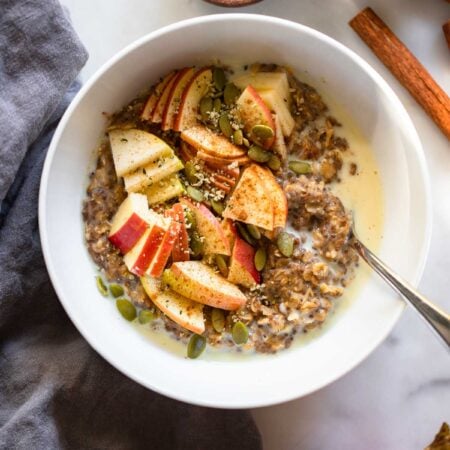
x=366, y=67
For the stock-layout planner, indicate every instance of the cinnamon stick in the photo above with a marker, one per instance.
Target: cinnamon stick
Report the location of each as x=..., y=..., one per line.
x=446, y=29
x=404, y=66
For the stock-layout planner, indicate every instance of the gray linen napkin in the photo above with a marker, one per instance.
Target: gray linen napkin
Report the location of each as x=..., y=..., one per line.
x=55, y=391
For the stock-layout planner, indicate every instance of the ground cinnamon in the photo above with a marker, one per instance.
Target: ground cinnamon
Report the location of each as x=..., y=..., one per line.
x=405, y=66
x=446, y=29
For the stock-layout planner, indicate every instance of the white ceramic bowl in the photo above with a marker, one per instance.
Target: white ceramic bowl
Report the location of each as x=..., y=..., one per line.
x=359, y=329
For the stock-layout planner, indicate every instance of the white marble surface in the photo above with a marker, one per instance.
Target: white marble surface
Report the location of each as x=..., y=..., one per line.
x=399, y=396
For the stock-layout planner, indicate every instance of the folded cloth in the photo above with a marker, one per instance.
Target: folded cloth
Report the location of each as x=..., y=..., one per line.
x=55, y=391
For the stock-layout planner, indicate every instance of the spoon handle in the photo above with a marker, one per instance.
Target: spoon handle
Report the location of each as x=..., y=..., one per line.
x=438, y=319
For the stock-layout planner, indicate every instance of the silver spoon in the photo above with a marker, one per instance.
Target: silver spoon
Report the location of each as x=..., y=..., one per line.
x=438, y=319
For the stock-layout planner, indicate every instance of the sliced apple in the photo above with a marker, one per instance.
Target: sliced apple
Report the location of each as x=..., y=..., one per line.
x=190, y=99
x=242, y=268
x=253, y=111
x=183, y=311
x=166, y=189
x=279, y=200
x=159, y=262
x=205, y=140
x=130, y=222
x=134, y=148
x=199, y=282
x=263, y=81
x=152, y=173
x=229, y=229
x=158, y=110
x=277, y=104
x=279, y=146
x=219, y=161
x=154, y=97
x=250, y=202
x=187, y=152
x=180, y=251
x=215, y=241
x=173, y=101
x=139, y=258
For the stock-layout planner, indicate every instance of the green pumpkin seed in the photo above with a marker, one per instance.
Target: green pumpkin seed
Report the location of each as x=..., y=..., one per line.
x=190, y=218
x=244, y=233
x=300, y=167
x=126, y=308
x=285, y=243
x=258, y=154
x=116, y=290
x=101, y=286
x=254, y=231
x=238, y=137
x=230, y=94
x=239, y=333
x=196, y=346
x=206, y=106
x=218, y=320
x=274, y=162
x=218, y=207
x=196, y=244
x=225, y=125
x=194, y=193
x=222, y=265
x=146, y=316
x=246, y=142
x=262, y=132
x=260, y=259
x=219, y=78
x=217, y=106
x=191, y=172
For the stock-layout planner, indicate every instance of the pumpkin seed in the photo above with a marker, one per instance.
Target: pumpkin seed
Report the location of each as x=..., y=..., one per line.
x=244, y=233
x=218, y=207
x=190, y=218
x=116, y=290
x=126, y=308
x=101, y=286
x=260, y=259
x=230, y=94
x=219, y=78
x=262, y=132
x=274, y=162
x=194, y=193
x=225, y=125
x=258, y=154
x=222, y=265
x=253, y=230
x=300, y=167
x=217, y=106
x=238, y=137
x=146, y=316
x=191, y=172
x=196, y=346
x=239, y=333
x=285, y=243
x=246, y=142
x=218, y=320
x=196, y=244
x=206, y=106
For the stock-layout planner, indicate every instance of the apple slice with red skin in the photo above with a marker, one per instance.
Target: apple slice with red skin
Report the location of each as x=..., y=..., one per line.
x=201, y=283
x=217, y=161
x=205, y=140
x=173, y=100
x=253, y=111
x=141, y=255
x=215, y=241
x=229, y=228
x=187, y=152
x=185, y=312
x=242, y=268
x=165, y=249
x=130, y=222
x=180, y=251
x=158, y=110
x=153, y=98
x=190, y=99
